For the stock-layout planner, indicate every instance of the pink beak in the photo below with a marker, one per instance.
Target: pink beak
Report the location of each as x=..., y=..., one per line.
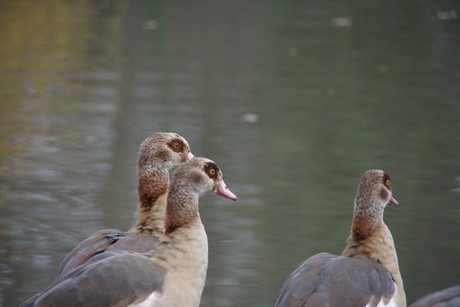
x=393, y=202
x=223, y=191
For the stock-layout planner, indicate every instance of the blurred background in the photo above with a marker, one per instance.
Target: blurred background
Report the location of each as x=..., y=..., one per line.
x=294, y=99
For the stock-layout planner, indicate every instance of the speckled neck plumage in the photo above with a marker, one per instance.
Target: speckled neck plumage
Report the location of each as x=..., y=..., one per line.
x=178, y=214
x=152, y=190
x=366, y=220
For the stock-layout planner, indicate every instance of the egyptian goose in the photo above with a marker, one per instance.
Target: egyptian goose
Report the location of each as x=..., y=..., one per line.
x=449, y=297
x=367, y=272
x=173, y=274
x=157, y=155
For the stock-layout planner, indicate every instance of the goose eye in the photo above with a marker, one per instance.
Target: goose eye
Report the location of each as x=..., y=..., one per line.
x=176, y=146
x=211, y=169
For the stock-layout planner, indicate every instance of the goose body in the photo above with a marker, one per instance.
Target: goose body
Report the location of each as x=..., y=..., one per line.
x=367, y=272
x=449, y=297
x=172, y=274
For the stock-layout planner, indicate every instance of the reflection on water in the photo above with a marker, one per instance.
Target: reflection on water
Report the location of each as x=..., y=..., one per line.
x=337, y=88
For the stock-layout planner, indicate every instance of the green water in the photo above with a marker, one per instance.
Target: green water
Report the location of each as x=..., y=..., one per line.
x=336, y=88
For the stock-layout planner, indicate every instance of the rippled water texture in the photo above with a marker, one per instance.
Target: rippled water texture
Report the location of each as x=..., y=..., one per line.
x=294, y=99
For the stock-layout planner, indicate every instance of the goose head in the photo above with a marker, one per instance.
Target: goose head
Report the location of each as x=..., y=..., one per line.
x=163, y=150
x=201, y=175
x=374, y=193
x=189, y=182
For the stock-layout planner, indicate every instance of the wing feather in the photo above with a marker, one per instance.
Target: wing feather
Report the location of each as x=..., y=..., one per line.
x=330, y=280
x=113, y=278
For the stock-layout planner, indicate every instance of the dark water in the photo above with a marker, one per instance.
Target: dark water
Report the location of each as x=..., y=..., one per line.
x=336, y=88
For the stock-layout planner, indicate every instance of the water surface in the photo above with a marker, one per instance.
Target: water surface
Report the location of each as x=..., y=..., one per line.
x=337, y=88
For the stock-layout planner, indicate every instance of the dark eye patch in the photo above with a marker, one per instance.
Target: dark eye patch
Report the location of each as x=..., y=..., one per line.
x=176, y=145
x=211, y=169
x=387, y=181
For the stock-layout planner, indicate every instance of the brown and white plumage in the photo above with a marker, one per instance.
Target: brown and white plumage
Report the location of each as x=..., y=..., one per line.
x=367, y=272
x=449, y=297
x=173, y=274
x=157, y=155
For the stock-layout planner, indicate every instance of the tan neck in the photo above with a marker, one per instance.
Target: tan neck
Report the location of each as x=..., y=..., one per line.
x=184, y=252
x=152, y=191
x=152, y=221
x=377, y=246
x=172, y=243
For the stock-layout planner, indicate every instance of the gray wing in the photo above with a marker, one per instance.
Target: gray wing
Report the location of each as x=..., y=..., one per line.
x=101, y=241
x=330, y=280
x=110, y=279
x=449, y=297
